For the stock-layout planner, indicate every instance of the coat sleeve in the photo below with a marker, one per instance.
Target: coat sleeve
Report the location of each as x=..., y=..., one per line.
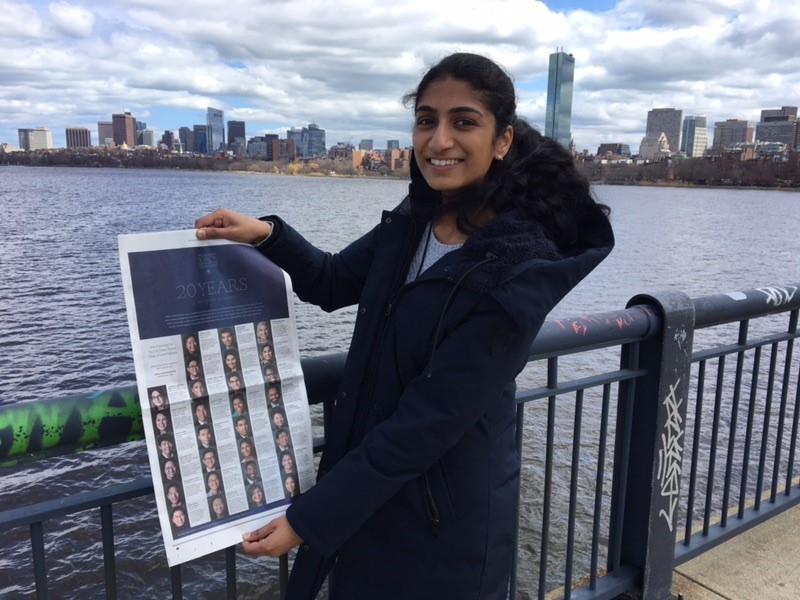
x=435, y=410
x=331, y=281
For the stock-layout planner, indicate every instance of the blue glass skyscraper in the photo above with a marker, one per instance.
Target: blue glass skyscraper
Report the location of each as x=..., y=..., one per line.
x=215, y=132
x=558, y=118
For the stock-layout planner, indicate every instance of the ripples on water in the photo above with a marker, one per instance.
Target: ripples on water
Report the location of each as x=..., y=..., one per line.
x=63, y=329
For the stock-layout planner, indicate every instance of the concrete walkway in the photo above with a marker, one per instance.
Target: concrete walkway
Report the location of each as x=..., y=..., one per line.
x=763, y=562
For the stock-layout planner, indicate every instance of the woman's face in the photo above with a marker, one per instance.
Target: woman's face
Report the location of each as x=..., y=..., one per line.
x=213, y=483
x=161, y=422
x=157, y=399
x=246, y=449
x=262, y=332
x=198, y=389
x=266, y=354
x=169, y=470
x=238, y=405
x=257, y=496
x=230, y=362
x=454, y=137
x=291, y=486
x=218, y=507
x=288, y=463
x=278, y=420
x=191, y=344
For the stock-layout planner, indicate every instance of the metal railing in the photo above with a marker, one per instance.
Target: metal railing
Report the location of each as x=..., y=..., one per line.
x=615, y=438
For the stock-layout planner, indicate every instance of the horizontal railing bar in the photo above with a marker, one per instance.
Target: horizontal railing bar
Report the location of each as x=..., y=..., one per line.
x=60, y=507
x=717, y=534
x=610, y=585
x=719, y=309
x=583, y=383
x=728, y=349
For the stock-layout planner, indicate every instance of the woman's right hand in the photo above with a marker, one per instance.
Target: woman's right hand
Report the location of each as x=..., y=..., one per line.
x=225, y=224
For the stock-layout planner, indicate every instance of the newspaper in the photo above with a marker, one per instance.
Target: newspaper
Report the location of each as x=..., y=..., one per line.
x=224, y=404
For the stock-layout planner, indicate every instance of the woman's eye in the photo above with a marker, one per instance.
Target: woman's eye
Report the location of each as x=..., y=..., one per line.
x=465, y=123
x=424, y=122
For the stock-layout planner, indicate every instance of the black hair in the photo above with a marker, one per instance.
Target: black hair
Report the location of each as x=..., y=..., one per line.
x=537, y=174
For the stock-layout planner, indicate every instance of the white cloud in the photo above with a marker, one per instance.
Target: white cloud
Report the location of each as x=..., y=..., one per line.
x=72, y=20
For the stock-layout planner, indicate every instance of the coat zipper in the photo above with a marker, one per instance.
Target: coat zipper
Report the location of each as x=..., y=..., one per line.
x=430, y=505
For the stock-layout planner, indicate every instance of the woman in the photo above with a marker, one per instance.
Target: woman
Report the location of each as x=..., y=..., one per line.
x=256, y=496
x=263, y=334
x=231, y=361
x=191, y=349
x=419, y=478
x=218, y=508
x=287, y=463
x=161, y=422
x=158, y=399
x=267, y=355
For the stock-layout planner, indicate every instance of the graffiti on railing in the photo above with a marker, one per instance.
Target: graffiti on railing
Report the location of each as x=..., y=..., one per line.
x=671, y=453
x=778, y=295
x=581, y=325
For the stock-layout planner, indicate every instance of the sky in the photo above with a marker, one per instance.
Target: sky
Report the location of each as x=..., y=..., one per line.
x=345, y=65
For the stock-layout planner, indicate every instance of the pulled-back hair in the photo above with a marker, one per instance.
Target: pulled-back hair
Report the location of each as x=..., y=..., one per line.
x=537, y=174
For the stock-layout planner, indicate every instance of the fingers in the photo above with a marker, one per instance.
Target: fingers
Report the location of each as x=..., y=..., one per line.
x=274, y=539
x=229, y=225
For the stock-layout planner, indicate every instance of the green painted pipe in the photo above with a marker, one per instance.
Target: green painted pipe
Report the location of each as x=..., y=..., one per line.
x=63, y=425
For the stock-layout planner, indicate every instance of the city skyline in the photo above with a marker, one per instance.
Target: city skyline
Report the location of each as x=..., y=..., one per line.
x=75, y=64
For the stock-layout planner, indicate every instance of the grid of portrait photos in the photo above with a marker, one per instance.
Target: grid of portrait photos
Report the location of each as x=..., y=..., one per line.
x=236, y=419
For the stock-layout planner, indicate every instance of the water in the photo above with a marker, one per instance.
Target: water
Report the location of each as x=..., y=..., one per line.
x=63, y=329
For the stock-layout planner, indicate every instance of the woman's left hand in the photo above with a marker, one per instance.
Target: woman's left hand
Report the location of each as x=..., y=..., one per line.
x=273, y=539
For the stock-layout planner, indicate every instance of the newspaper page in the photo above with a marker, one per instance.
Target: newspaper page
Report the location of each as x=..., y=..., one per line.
x=224, y=403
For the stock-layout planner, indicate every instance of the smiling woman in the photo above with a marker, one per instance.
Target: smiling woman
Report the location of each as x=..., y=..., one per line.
x=452, y=287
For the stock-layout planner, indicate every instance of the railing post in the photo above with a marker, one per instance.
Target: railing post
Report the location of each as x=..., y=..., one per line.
x=656, y=442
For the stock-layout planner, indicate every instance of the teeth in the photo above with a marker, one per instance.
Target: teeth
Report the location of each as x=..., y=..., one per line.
x=444, y=163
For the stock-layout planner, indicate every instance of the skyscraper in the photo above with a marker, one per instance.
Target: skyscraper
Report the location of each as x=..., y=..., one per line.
x=105, y=133
x=215, y=132
x=667, y=121
x=779, y=125
x=731, y=133
x=78, y=137
x=38, y=138
x=124, y=129
x=558, y=117
x=694, y=139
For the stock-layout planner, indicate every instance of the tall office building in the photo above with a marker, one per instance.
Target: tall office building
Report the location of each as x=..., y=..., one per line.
x=124, y=129
x=38, y=138
x=558, y=116
x=309, y=141
x=105, y=133
x=140, y=127
x=779, y=125
x=147, y=137
x=200, y=139
x=732, y=132
x=667, y=121
x=235, y=130
x=694, y=137
x=365, y=145
x=186, y=137
x=215, y=132
x=78, y=137
x=393, y=144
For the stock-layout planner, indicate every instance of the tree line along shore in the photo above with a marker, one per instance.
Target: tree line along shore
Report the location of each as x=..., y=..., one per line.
x=709, y=171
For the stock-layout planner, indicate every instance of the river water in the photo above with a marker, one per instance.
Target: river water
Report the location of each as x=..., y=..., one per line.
x=63, y=329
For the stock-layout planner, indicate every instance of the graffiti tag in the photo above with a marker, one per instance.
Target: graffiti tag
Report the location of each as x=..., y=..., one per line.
x=670, y=454
x=778, y=295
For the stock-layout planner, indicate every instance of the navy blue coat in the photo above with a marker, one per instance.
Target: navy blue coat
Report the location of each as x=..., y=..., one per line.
x=417, y=488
